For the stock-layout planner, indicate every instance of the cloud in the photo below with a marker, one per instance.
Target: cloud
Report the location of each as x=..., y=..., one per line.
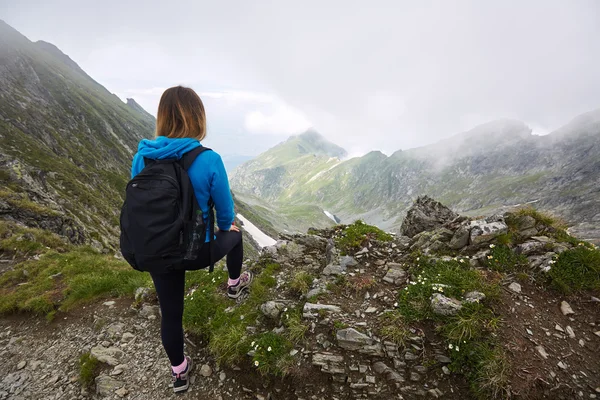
x=283, y=120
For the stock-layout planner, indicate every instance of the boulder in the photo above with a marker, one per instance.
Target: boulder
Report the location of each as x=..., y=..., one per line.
x=530, y=248
x=474, y=297
x=443, y=305
x=483, y=231
x=460, y=238
x=348, y=261
x=272, y=309
x=426, y=214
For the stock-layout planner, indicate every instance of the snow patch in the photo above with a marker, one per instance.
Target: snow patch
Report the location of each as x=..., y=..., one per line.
x=259, y=236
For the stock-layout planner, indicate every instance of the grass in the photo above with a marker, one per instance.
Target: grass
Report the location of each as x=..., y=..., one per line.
x=295, y=325
x=60, y=281
x=576, y=270
x=356, y=235
x=540, y=217
x=301, y=282
x=503, y=259
x=21, y=241
x=88, y=369
x=468, y=334
x=209, y=314
x=394, y=328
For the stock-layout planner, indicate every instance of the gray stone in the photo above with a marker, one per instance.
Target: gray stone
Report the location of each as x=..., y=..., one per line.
x=329, y=363
x=310, y=308
x=127, y=337
x=148, y=311
x=515, y=287
x=316, y=291
x=348, y=261
x=108, y=355
x=443, y=305
x=115, y=329
x=425, y=214
x=122, y=392
x=351, y=339
x=272, y=309
x=530, y=248
x=333, y=269
x=395, y=275
x=143, y=294
x=483, y=232
x=206, y=370
x=474, y=297
x=21, y=365
x=410, y=356
x=460, y=238
x=446, y=370
x=391, y=375
x=542, y=351
x=570, y=332
x=443, y=359
x=106, y=386
x=566, y=308
x=415, y=377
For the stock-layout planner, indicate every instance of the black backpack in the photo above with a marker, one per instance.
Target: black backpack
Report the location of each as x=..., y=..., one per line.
x=162, y=227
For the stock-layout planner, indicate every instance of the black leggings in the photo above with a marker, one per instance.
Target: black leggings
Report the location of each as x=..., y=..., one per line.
x=170, y=289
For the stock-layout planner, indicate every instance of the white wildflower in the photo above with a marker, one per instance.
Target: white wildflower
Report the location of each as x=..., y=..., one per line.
x=492, y=246
x=269, y=349
x=256, y=363
x=462, y=261
x=457, y=349
x=450, y=346
x=418, y=258
x=490, y=257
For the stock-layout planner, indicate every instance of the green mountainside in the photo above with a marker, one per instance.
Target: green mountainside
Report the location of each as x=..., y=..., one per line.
x=66, y=143
x=495, y=165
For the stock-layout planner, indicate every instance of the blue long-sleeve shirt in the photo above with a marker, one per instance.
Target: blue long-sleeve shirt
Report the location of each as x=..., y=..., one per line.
x=207, y=174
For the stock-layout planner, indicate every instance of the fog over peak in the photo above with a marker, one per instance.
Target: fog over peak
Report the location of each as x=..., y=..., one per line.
x=382, y=76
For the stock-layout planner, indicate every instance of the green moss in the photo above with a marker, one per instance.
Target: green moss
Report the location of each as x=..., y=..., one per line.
x=352, y=237
x=301, y=282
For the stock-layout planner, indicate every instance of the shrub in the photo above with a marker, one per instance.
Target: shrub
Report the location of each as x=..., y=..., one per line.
x=354, y=236
x=576, y=269
x=88, y=369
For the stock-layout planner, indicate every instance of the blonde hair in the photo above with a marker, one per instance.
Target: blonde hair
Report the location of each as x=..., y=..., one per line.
x=181, y=114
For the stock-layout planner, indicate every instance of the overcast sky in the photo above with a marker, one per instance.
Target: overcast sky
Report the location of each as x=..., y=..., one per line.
x=371, y=75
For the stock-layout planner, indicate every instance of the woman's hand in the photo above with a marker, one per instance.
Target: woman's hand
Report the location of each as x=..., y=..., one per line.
x=234, y=229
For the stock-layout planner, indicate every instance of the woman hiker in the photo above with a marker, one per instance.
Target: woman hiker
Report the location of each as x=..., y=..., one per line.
x=180, y=126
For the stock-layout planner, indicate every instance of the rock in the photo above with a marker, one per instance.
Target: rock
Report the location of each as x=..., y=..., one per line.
x=115, y=329
x=148, y=311
x=437, y=393
x=347, y=261
x=21, y=365
x=122, y=392
x=310, y=308
x=272, y=309
x=316, y=291
x=109, y=303
x=460, y=238
x=446, y=370
x=362, y=252
x=443, y=359
x=395, y=275
x=222, y=377
x=351, y=339
x=329, y=363
x=127, y=337
x=483, y=232
x=426, y=214
x=474, y=297
x=142, y=294
x=370, y=310
x=566, y=308
x=562, y=365
x=415, y=377
x=515, y=287
x=106, y=386
x=570, y=332
x=391, y=375
x=56, y=276
x=542, y=239
x=333, y=269
x=530, y=248
x=108, y=355
x=443, y=305
x=542, y=351
x=206, y=370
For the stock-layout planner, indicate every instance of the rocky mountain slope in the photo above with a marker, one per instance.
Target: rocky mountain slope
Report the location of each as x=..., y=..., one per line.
x=495, y=165
x=66, y=143
x=490, y=308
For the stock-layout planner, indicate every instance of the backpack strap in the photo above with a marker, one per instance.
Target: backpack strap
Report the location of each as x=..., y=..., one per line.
x=188, y=158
